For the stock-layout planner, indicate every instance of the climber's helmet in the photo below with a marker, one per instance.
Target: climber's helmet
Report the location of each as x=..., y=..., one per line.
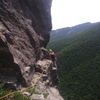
x=50, y=50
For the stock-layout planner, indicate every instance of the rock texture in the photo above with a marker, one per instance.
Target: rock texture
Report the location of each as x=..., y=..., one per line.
x=24, y=35
x=24, y=30
x=46, y=88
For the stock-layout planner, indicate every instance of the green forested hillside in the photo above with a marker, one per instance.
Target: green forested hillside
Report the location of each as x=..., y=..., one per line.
x=79, y=64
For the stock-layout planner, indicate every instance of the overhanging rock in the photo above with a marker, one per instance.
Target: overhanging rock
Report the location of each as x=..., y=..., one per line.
x=24, y=30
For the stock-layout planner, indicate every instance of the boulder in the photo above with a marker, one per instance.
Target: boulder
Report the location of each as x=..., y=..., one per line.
x=37, y=97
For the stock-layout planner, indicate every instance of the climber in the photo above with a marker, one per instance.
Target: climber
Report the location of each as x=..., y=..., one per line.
x=53, y=57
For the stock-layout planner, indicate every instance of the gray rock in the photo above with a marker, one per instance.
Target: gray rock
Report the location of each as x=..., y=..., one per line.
x=24, y=34
x=53, y=94
x=26, y=93
x=43, y=65
x=37, y=97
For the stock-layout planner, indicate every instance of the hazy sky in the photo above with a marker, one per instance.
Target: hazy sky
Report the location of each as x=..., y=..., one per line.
x=72, y=12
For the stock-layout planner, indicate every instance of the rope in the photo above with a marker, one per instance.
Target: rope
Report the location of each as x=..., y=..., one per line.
x=27, y=87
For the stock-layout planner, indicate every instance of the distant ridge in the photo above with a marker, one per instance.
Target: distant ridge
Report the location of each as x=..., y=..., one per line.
x=68, y=31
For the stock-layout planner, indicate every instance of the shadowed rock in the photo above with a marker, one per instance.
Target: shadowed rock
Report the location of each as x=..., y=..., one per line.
x=24, y=35
x=24, y=30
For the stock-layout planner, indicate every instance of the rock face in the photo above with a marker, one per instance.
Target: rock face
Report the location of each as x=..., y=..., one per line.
x=24, y=32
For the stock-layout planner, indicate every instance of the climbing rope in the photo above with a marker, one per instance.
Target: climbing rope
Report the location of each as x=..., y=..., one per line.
x=27, y=87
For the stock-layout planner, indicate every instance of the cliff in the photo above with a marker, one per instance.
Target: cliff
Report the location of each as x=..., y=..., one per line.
x=24, y=34
x=24, y=30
